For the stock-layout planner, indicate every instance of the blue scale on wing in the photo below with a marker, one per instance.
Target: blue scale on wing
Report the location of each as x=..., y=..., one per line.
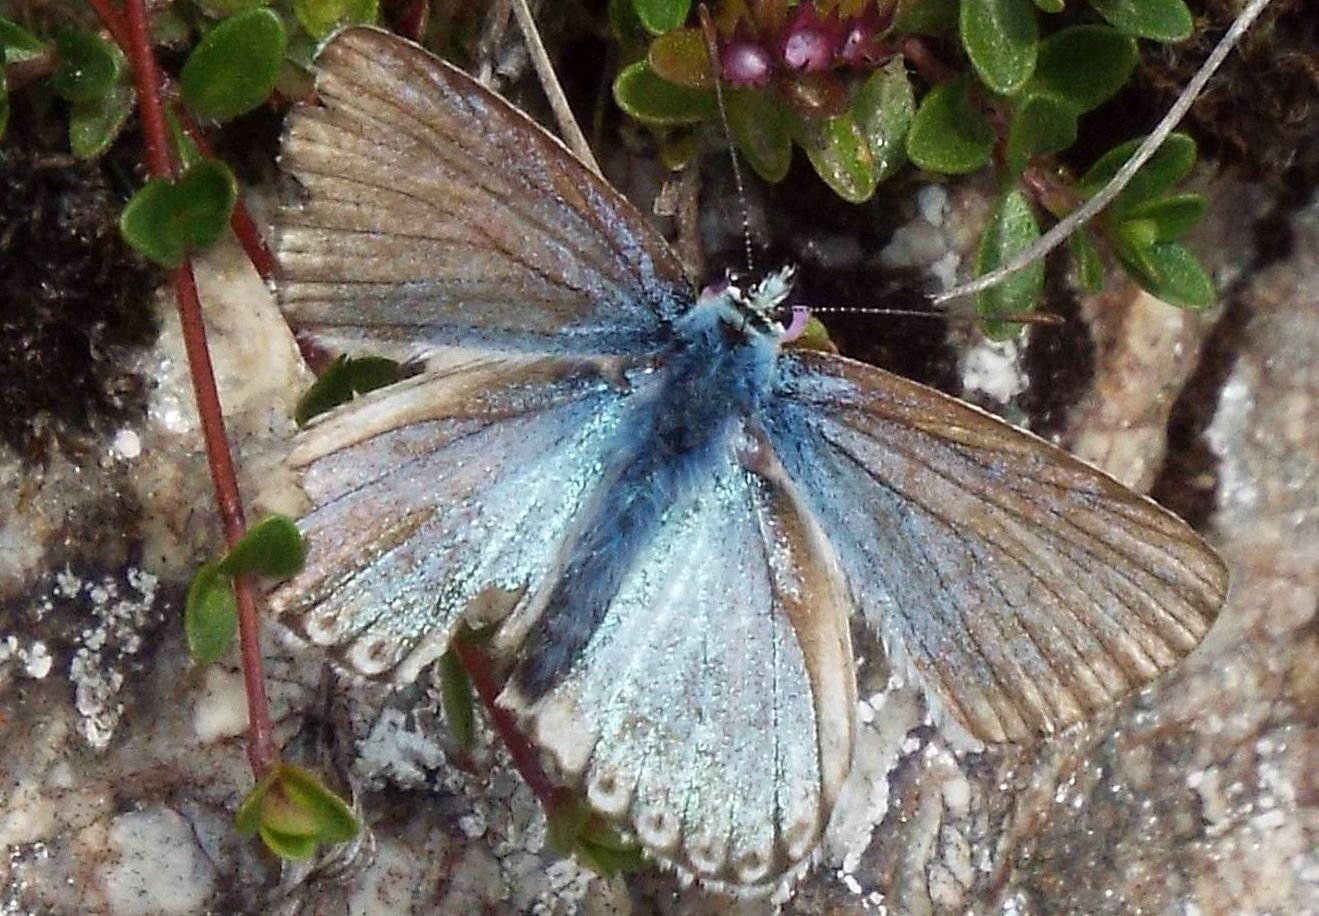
x=431, y=494
x=698, y=625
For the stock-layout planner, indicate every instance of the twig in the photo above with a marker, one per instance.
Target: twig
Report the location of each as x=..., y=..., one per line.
x=549, y=81
x=135, y=32
x=524, y=756
x=1062, y=230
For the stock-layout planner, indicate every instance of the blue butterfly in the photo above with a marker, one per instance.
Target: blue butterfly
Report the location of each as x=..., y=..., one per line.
x=671, y=517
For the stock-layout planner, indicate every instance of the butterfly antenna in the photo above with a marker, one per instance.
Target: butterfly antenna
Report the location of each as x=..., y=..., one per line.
x=717, y=73
x=1044, y=318
x=549, y=81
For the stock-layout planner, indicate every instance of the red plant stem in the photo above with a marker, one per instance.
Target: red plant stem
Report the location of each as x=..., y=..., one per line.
x=524, y=756
x=146, y=82
x=113, y=21
x=261, y=751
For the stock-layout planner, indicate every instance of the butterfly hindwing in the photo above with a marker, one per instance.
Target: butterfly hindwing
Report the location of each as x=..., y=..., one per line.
x=448, y=489
x=1024, y=588
x=433, y=212
x=712, y=708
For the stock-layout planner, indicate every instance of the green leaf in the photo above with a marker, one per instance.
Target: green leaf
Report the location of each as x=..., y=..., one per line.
x=343, y=378
x=218, y=9
x=457, y=700
x=18, y=44
x=1171, y=273
x=210, y=615
x=925, y=17
x=287, y=846
x=600, y=847
x=641, y=93
x=1170, y=163
x=1172, y=217
x=333, y=818
x=1050, y=6
x=321, y=17
x=1084, y=65
x=1159, y=20
x=88, y=66
x=367, y=373
x=1087, y=266
x=681, y=58
x=1137, y=233
x=760, y=128
x=1001, y=38
x=1042, y=124
x=233, y=68
x=884, y=106
x=293, y=812
x=93, y=125
x=947, y=134
x=272, y=547
x=165, y=220
x=840, y=154
x=1011, y=229
x=332, y=388
x=659, y=16
x=565, y=816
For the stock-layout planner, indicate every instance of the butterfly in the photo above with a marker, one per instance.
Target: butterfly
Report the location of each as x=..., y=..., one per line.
x=671, y=517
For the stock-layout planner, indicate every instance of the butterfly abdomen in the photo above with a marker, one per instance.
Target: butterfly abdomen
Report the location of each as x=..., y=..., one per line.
x=671, y=444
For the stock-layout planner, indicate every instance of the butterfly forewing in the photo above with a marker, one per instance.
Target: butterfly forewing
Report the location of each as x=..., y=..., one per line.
x=712, y=708
x=438, y=492
x=1024, y=588
x=431, y=211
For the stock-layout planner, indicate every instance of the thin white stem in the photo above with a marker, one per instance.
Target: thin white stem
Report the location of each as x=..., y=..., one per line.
x=549, y=80
x=1077, y=218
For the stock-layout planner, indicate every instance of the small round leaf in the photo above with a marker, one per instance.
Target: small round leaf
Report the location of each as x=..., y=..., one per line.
x=1087, y=266
x=165, y=220
x=840, y=154
x=93, y=125
x=883, y=107
x=682, y=58
x=652, y=100
x=233, y=68
x=947, y=135
x=210, y=615
x=1001, y=38
x=1171, y=273
x=659, y=16
x=321, y=17
x=1042, y=124
x=1084, y=65
x=1170, y=164
x=88, y=66
x=272, y=547
x=1011, y=229
x=1159, y=20
x=1172, y=217
x=18, y=44
x=760, y=128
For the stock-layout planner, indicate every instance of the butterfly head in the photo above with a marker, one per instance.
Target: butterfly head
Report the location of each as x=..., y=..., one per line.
x=758, y=309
